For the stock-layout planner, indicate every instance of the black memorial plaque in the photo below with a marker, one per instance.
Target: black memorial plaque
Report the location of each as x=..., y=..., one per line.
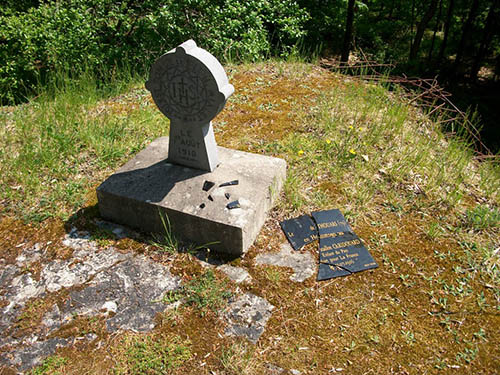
x=300, y=231
x=341, y=251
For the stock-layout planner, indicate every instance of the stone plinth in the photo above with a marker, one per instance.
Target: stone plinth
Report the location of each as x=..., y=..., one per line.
x=149, y=185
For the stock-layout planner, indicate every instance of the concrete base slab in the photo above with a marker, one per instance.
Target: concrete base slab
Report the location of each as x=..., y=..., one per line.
x=148, y=186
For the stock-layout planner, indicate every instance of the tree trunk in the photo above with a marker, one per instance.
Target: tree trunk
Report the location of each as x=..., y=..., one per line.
x=411, y=23
x=488, y=32
x=438, y=20
x=346, y=48
x=447, y=25
x=465, y=34
x=392, y=9
x=421, y=28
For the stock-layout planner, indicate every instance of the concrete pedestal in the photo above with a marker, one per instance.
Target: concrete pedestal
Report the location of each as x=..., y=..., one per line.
x=149, y=185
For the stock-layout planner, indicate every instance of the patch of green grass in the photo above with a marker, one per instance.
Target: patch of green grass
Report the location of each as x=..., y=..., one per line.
x=204, y=292
x=236, y=359
x=274, y=275
x=167, y=242
x=364, y=141
x=482, y=217
x=50, y=366
x=56, y=147
x=147, y=355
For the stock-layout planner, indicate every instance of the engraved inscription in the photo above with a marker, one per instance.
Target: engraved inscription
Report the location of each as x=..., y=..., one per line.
x=187, y=146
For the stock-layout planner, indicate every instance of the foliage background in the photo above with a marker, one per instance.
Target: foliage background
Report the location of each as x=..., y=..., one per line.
x=102, y=35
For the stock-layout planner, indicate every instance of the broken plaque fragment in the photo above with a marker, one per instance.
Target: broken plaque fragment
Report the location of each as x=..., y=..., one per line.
x=207, y=185
x=233, y=204
x=230, y=183
x=227, y=195
x=341, y=251
x=300, y=231
x=210, y=198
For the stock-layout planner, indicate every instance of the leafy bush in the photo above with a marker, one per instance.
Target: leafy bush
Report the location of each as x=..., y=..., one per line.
x=102, y=35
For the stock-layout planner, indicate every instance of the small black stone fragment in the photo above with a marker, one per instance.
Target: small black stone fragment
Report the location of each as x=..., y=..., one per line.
x=227, y=195
x=210, y=198
x=230, y=183
x=207, y=185
x=234, y=204
x=202, y=205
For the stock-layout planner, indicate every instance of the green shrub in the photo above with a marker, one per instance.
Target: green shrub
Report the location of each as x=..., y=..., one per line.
x=102, y=35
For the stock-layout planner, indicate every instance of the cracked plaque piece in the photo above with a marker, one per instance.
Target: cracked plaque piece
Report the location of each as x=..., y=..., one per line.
x=300, y=231
x=230, y=183
x=341, y=251
x=207, y=185
x=190, y=87
x=234, y=204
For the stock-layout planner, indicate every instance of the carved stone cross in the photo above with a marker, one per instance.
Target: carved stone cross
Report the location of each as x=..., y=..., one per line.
x=190, y=87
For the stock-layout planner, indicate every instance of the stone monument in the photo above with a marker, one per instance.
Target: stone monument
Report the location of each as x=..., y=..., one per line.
x=210, y=194
x=190, y=87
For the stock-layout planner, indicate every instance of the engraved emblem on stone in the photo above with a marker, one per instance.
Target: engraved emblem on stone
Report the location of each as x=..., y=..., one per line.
x=190, y=87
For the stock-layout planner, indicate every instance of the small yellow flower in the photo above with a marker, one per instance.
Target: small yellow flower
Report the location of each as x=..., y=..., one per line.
x=351, y=127
x=300, y=153
x=362, y=129
x=352, y=152
x=328, y=141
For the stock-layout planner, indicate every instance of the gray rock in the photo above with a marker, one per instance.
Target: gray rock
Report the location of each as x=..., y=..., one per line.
x=52, y=320
x=7, y=273
x=64, y=274
x=133, y=289
x=125, y=287
x=303, y=264
x=236, y=274
x=273, y=369
x=30, y=255
x=118, y=230
x=27, y=357
x=247, y=316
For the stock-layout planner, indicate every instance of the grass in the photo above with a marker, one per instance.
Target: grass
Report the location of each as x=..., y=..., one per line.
x=167, y=242
x=55, y=147
x=204, y=292
x=426, y=208
x=51, y=365
x=146, y=355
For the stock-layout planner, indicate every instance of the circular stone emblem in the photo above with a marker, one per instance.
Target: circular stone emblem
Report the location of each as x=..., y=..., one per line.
x=189, y=85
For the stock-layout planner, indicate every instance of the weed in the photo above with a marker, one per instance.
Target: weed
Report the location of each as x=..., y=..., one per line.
x=467, y=355
x=434, y=230
x=406, y=280
x=350, y=347
x=51, y=365
x=482, y=217
x=204, y=292
x=408, y=336
x=481, y=301
x=388, y=263
x=273, y=275
x=236, y=359
x=151, y=355
x=481, y=334
x=375, y=338
x=167, y=242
